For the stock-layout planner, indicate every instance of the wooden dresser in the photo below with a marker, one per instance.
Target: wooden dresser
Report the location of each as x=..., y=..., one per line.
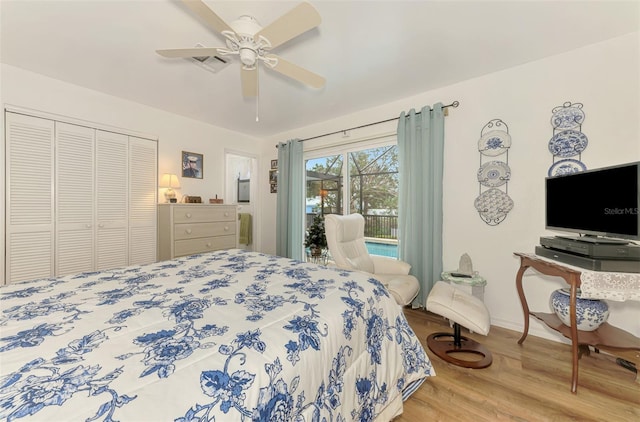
x=187, y=229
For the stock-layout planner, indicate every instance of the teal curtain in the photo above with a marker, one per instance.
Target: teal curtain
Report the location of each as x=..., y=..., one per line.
x=420, y=162
x=290, y=206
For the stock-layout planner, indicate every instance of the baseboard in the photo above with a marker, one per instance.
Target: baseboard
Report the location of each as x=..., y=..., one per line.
x=536, y=328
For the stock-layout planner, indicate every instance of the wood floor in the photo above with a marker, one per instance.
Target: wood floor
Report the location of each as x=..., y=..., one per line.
x=528, y=382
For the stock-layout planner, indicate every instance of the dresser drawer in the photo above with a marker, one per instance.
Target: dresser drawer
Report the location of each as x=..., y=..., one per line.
x=203, y=244
x=187, y=229
x=196, y=230
x=199, y=214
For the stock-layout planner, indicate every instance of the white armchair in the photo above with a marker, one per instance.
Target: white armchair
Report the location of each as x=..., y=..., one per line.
x=345, y=238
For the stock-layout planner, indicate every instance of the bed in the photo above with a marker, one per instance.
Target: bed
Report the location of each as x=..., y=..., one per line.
x=226, y=336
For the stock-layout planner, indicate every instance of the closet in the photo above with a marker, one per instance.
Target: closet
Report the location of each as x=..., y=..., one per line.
x=78, y=198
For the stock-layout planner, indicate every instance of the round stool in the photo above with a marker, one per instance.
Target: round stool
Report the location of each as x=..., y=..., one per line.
x=463, y=309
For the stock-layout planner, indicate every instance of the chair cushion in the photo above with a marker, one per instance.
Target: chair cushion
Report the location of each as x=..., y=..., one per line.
x=403, y=288
x=345, y=238
x=362, y=263
x=351, y=228
x=387, y=265
x=459, y=306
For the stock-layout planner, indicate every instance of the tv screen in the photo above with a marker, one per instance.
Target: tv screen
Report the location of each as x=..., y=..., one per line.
x=599, y=202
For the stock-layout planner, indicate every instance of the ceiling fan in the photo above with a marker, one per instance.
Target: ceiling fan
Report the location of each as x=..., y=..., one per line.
x=252, y=43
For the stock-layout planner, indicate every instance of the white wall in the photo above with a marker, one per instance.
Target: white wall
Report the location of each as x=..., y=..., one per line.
x=604, y=77
x=174, y=133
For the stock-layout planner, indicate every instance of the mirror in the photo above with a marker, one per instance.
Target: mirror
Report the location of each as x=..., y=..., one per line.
x=243, y=190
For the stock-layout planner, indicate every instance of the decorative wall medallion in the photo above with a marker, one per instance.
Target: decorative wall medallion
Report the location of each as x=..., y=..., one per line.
x=567, y=117
x=494, y=204
x=567, y=140
x=564, y=167
x=494, y=142
x=494, y=173
x=568, y=143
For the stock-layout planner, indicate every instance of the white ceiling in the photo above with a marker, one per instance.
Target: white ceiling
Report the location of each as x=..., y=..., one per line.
x=370, y=52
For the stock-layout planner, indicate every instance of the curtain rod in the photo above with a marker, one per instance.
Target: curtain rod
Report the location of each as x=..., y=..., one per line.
x=453, y=104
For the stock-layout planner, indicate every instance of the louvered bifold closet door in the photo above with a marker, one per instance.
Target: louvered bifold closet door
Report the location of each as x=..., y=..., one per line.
x=29, y=200
x=75, y=190
x=143, y=200
x=112, y=249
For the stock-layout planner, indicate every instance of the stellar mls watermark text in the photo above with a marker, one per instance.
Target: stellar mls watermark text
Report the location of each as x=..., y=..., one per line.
x=621, y=211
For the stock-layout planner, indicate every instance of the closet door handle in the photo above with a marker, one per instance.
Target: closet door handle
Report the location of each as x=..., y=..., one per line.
x=88, y=225
x=101, y=225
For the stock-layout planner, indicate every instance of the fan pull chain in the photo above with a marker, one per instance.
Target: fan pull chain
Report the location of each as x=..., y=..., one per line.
x=257, y=105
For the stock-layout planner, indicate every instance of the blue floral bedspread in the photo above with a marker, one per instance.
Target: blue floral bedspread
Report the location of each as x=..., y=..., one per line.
x=227, y=336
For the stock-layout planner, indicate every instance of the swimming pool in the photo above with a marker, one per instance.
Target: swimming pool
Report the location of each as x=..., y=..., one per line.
x=383, y=249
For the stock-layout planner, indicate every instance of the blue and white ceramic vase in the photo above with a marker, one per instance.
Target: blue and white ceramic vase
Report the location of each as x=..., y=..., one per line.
x=590, y=313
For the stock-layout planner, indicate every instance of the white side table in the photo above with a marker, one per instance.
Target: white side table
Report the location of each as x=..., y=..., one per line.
x=472, y=285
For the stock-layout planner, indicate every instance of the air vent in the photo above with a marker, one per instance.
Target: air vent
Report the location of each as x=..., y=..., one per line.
x=211, y=63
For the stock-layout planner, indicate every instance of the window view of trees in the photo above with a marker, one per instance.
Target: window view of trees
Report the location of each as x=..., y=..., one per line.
x=324, y=185
x=373, y=188
x=373, y=175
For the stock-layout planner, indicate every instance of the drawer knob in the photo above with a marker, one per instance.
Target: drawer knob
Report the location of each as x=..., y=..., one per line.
x=88, y=225
x=208, y=244
x=188, y=231
x=226, y=214
x=226, y=228
x=188, y=215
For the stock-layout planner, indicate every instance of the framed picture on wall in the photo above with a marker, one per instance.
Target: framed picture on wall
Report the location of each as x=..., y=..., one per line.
x=273, y=177
x=274, y=188
x=192, y=165
x=274, y=164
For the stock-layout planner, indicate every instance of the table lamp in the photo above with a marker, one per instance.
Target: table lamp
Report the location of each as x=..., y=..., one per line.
x=170, y=181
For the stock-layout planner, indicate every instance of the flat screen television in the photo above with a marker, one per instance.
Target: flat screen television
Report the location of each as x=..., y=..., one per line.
x=600, y=204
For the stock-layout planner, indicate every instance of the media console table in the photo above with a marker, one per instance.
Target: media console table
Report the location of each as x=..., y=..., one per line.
x=606, y=336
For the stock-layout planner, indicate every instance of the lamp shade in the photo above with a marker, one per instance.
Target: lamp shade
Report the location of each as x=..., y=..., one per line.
x=169, y=181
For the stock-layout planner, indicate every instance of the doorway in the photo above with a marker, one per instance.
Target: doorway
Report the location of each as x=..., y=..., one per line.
x=241, y=188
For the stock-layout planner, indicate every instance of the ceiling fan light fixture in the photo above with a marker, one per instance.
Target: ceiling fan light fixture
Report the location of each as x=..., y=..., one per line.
x=248, y=56
x=252, y=43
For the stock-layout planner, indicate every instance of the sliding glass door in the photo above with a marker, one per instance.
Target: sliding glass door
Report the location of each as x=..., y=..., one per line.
x=324, y=185
x=372, y=189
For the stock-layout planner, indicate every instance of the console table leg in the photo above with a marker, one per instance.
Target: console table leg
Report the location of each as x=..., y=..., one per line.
x=574, y=336
x=523, y=301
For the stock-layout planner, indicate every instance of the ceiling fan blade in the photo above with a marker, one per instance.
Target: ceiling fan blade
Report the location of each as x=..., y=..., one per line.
x=207, y=15
x=296, y=72
x=188, y=52
x=249, y=79
x=300, y=19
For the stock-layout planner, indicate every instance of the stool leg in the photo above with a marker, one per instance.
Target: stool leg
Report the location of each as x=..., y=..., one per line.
x=457, y=342
x=446, y=350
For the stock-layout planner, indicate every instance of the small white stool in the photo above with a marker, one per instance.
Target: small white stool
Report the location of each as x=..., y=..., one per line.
x=473, y=285
x=463, y=309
